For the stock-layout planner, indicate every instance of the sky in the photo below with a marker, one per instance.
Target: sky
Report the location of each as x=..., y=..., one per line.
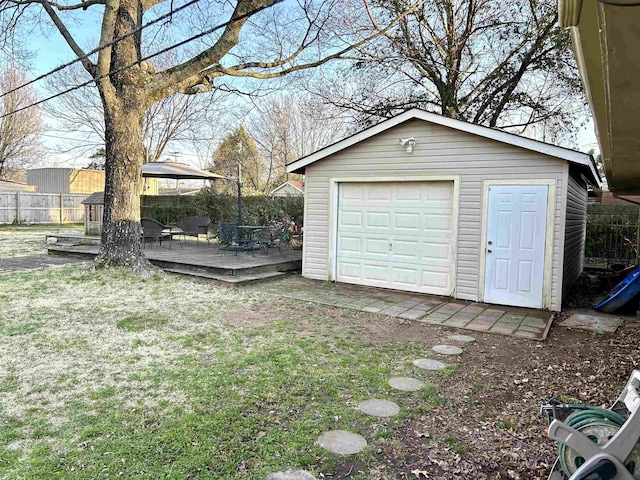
x=51, y=51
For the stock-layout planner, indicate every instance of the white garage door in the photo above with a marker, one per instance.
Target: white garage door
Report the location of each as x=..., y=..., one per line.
x=396, y=235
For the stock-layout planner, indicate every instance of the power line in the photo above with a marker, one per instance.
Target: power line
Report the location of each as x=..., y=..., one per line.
x=153, y=55
x=102, y=47
x=58, y=137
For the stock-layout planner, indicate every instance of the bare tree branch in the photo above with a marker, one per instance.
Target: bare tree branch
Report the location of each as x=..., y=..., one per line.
x=19, y=145
x=478, y=60
x=67, y=35
x=189, y=72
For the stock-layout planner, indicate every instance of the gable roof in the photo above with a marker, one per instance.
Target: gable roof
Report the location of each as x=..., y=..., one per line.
x=297, y=184
x=96, y=198
x=572, y=156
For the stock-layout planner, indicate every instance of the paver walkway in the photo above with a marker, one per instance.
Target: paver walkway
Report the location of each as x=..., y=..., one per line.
x=34, y=262
x=519, y=322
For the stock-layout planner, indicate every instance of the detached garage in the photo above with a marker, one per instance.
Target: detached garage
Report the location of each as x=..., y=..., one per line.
x=426, y=203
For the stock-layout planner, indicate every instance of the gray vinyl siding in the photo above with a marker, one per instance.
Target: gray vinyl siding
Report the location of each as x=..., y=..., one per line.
x=50, y=180
x=439, y=151
x=575, y=228
x=70, y=180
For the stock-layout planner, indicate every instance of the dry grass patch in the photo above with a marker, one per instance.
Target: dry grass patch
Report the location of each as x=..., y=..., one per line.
x=25, y=240
x=67, y=334
x=111, y=375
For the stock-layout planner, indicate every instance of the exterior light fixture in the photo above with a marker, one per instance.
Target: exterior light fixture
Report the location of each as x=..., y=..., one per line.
x=409, y=142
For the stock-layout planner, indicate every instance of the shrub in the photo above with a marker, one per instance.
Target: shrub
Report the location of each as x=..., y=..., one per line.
x=256, y=209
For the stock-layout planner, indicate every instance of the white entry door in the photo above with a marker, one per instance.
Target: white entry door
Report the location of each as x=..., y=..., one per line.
x=514, y=252
x=396, y=235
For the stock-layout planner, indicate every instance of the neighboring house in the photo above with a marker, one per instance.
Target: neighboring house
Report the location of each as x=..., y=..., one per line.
x=605, y=197
x=7, y=186
x=66, y=180
x=430, y=204
x=73, y=180
x=292, y=188
x=605, y=39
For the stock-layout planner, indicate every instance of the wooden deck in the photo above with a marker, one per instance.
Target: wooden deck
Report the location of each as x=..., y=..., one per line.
x=199, y=260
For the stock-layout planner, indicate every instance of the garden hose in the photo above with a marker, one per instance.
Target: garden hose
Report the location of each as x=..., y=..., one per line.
x=599, y=425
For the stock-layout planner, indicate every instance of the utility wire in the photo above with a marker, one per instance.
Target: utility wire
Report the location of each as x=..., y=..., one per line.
x=102, y=47
x=132, y=64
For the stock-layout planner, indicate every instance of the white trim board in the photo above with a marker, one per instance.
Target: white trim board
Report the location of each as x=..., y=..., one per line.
x=567, y=154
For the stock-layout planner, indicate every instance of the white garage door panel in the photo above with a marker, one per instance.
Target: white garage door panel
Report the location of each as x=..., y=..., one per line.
x=396, y=235
x=408, y=221
x=349, y=270
x=375, y=273
x=378, y=220
x=377, y=246
x=437, y=222
x=351, y=219
x=435, y=279
x=406, y=250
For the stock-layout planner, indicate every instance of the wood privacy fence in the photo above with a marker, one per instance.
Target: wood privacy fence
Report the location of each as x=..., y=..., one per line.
x=28, y=207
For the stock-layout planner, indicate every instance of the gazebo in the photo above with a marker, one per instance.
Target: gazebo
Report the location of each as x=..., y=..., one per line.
x=177, y=171
x=94, y=203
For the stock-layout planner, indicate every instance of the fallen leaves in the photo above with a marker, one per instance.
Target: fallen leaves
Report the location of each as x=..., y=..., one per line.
x=420, y=473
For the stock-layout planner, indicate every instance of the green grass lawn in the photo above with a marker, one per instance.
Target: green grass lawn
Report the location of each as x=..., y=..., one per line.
x=22, y=240
x=105, y=375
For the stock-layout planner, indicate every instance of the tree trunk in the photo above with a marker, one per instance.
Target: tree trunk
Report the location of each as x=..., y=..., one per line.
x=121, y=242
x=124, y=103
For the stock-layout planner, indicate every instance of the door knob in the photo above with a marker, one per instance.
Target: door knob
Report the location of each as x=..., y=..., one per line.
x=490, y=242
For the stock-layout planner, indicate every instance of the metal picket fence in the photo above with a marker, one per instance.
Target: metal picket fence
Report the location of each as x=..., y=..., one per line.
x=612, y=235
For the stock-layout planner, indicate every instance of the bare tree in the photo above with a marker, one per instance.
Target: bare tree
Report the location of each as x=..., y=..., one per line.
x=276, y=41
x=171, y=120
x=291, y=126
x=499, y=64
x=20, y=131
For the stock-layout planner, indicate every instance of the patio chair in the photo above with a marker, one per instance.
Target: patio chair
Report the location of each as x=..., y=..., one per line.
x=153, y=230
x=192, y=227
x=276, y=236
x=227, y=233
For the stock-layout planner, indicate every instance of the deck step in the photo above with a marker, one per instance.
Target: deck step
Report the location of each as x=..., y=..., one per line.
x=71, y=240
x=231, y=280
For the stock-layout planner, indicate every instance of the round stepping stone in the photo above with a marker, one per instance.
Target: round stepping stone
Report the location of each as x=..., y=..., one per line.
x=290, y=475
x=342, y=442
x=461, y=338
x=406, y=384
x=379, y=408
x=447, y=350
x=429, y=364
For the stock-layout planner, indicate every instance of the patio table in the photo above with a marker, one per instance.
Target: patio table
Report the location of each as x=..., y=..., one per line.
x=246, y=237
x=178, y=234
